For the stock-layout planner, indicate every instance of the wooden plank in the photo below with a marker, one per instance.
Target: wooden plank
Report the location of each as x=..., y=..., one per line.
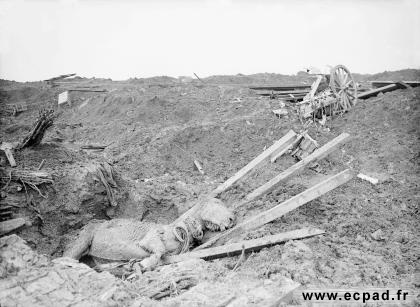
x=314, y=87
x=10, y=225
x=374, y=92
x=316, y=155
x=272, y=150
x=274, y=157
x=281, y=88
x=281, y=209
x=377, y=84
x=247, y=245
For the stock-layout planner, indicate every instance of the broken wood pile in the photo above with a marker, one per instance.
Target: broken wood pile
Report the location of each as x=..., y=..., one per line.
x=15, y=109
x=34, y=138
x=105, y=173
x=25, y=177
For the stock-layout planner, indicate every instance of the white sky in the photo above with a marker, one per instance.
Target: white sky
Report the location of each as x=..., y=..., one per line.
x=40, y=39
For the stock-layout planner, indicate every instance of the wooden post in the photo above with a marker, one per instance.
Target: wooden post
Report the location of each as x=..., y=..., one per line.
x=281, y=209
x=10, y=225
x=316, y=155
x=247, y=245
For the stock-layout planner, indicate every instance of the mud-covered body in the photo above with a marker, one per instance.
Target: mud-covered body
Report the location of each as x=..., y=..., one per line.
x=127, y=239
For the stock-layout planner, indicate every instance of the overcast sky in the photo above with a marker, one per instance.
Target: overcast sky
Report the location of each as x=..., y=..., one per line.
x=122, y=39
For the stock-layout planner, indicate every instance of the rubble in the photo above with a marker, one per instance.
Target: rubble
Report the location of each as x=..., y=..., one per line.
x=34, y=138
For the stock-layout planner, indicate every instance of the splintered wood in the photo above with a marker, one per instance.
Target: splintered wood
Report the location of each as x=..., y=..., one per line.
x=44, y=121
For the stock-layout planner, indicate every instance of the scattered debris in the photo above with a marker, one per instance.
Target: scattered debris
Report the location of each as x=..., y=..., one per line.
x=15, y=109
x=8, y=150
x=34, y=138
x=305, y=147
x=94, y=147
x=244, y=246
x=199, y=167
x=41, y=165
x=280, y=112
x=378, y=235
x=372, y=180
x=104, y=173
x=198, y=77
x=25, y=177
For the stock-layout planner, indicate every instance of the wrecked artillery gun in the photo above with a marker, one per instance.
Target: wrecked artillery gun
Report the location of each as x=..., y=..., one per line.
x=330, y=94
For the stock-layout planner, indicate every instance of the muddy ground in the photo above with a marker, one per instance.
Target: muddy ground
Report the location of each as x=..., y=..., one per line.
x=154, y=128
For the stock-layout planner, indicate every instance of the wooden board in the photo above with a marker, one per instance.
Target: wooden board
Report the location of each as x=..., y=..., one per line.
x=374, y=92
x=377, y=84
x=284, y=142
x=281, y=88
x=316, y=155
x=281, y=209
x=247, y=245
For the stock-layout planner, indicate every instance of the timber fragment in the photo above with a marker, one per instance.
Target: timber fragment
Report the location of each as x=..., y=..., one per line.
x=246, y=246
x=34, y=138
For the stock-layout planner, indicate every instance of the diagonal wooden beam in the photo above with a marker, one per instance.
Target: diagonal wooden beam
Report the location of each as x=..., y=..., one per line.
x=247, y=246
x=281, y=209
x=316, y=155
x=278, y=146
x=284, y=142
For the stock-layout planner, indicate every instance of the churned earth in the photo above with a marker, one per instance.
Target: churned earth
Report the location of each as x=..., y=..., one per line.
x=155, y=128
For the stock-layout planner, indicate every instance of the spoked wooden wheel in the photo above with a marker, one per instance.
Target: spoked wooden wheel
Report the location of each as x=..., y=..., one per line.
x=343, y=86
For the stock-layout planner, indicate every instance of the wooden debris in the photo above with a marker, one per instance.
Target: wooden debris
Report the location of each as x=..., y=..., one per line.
x=377, y=84
x=41, y=165
x=34, y=138
x=199, y=167
x=306, y=146
x=278, y=146
x=25, y=177
x=368, y=178
x=94, y=147
x=244, y=246
x=281, y=88
x=11, y=225
x=316, y=155
x=374, y=92
x=59, y=77
x=198, y=77
x=63, y=97
x=8, y=150
x=99, y=90
x=105, y=173
x=281, y=209
x=274, y=157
